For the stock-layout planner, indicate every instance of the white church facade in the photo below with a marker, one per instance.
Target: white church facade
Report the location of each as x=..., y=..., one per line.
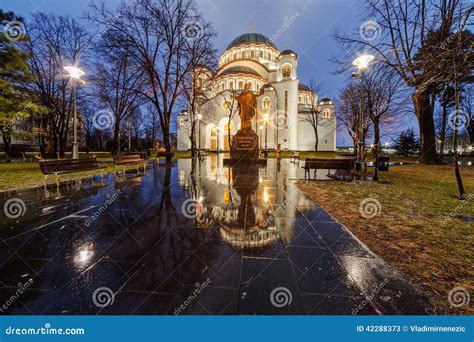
x=286, y=108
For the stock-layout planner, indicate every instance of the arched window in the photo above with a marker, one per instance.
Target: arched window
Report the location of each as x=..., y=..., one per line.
x=326, y=114
x=199, y=82
x=260, y=54
x=268, y=55
x=252, y=53
x=231, y=85
x=286, y=71
x=241, y=85
x=266, y=103
x=222, y=86
x=300, y=99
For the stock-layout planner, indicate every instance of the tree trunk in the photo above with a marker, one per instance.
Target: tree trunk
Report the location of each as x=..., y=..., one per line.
x=317, y=139
x=116, y=142
x=7, y=145
x=428, y=153
x=443, y=130
x=376, y=148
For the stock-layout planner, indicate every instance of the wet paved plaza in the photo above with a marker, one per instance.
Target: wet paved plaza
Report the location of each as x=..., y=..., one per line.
x=190, y=238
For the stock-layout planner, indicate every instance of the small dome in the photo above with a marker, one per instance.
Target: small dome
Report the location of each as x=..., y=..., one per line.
x=326, y=100
x=302, y=87
x=287, y=52
x=239, y=70
x=251, y=38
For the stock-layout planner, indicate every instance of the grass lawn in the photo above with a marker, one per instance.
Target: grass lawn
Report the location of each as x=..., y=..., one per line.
x=27, y=175
x=414, y=230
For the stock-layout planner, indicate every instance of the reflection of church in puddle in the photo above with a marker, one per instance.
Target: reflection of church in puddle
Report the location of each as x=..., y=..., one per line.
x=251, y=208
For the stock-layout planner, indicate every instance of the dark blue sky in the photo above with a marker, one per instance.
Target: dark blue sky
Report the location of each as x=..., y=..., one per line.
x=309, y=34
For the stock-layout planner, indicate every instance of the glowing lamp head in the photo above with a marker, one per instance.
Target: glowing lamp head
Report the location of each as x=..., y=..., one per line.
x=363, y=61
x=266, y=117
x=199, y=116
x=74, y=72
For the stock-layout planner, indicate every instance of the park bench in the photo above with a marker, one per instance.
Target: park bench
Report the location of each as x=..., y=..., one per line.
x=58, y=167
x=143, y=155
x=295, y=157
x=129, y=159
x=47, y=156
x=345, y=165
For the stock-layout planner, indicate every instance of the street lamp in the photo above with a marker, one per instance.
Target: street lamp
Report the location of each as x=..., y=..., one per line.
x=260, y=128
x=75, y=75
x=266, y=117
x=199, y=117
x=362, y=64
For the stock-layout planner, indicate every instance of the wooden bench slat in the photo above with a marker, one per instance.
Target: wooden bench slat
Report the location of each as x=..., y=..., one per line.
x=329, y=164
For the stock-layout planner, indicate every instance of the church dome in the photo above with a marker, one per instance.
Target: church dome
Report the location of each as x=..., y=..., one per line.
x=326, y=99
x=251, y=38
x=302, y=87
x=287, y=52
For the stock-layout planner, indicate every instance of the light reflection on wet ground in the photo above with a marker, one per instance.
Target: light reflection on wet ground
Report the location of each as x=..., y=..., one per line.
x=242, y=231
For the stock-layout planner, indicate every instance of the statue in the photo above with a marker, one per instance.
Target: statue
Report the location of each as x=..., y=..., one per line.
x=247, y=101
x=245, y=144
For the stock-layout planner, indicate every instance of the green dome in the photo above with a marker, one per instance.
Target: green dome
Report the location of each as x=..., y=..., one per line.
x=251, y=38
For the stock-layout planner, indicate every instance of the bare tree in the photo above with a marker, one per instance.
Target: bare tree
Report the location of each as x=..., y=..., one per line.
x=232, y=108
x=55, y=41
x=158, y=36
x=198, y=94
x=381, y=86
x=446, y=101
x=118, y=85
x=348, y=105
x=314, y=118
x=404, y=27
x=152, y=124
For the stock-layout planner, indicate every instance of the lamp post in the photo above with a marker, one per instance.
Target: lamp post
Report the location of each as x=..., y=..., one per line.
x=75, y=75
x=260, y=128
x=199, y=117
x=362, y=63
x=266, y=117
